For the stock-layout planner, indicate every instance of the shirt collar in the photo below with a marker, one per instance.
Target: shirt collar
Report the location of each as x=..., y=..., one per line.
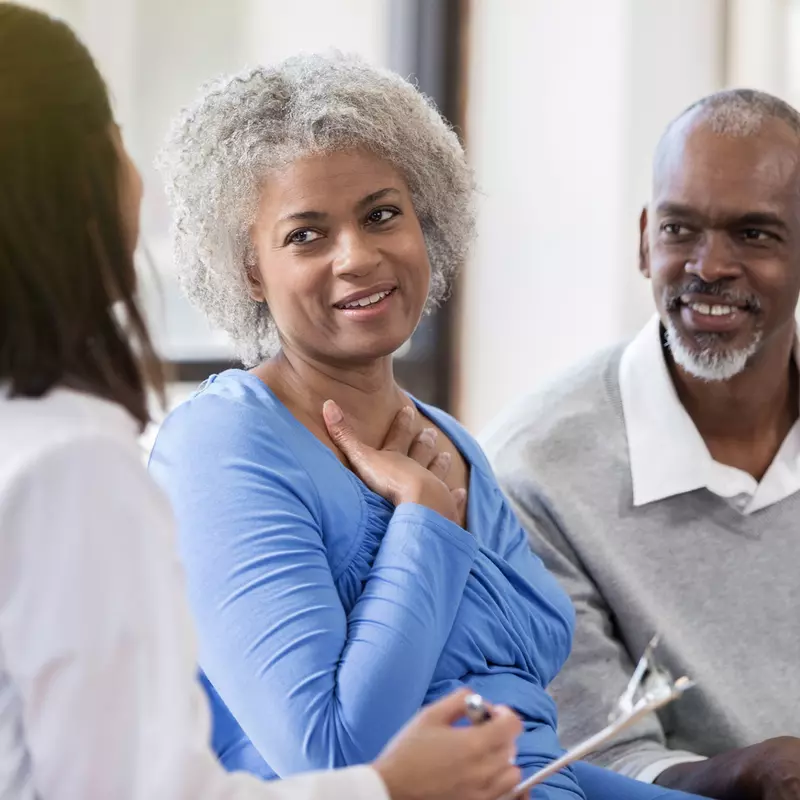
x=666, y=451
x=668, y=456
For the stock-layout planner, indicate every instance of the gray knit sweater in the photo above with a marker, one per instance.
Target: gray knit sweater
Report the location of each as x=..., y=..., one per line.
x=722, y=588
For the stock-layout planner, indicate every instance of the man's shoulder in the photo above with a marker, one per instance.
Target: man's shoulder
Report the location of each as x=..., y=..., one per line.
x=563, y=418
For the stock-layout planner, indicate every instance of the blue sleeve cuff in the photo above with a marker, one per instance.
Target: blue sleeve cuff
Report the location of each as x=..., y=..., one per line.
x=413, y=514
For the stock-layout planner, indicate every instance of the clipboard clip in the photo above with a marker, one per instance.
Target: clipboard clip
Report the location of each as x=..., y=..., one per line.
x=650, y=688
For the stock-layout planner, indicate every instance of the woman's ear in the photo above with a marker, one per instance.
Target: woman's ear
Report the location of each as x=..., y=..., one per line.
x=255, y=287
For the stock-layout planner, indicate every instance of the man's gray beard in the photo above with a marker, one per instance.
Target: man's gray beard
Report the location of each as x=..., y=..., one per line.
x=710, y=364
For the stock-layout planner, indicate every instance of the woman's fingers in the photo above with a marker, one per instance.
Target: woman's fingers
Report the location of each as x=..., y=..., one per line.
x=493, y=743
x=440, y=466
x=401, y=433
x=460, y=497
x=406, y=470
x=503, y=782
x=423, y=447
x=343, y=435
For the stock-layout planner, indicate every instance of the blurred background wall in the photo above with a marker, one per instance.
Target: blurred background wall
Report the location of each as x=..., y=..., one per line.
x=560, y=104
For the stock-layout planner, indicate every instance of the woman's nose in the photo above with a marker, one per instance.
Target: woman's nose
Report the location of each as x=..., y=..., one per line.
x=354, y=254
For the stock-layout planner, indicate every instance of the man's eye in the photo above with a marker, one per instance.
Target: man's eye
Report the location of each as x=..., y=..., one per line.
x=755, y=235
x=674, y=229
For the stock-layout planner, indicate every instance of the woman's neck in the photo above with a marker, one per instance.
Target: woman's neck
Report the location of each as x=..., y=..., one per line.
x=367, y=393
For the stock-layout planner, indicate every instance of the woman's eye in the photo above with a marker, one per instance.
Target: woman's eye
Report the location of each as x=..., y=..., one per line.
x=381, y=215
x=303, y=236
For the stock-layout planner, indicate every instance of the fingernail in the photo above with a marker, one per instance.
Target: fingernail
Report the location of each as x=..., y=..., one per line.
x=428, y=436
x=331, y=412
x=444, y=458
x=408, y=411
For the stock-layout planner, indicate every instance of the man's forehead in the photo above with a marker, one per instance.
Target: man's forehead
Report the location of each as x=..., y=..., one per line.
x=695, y=162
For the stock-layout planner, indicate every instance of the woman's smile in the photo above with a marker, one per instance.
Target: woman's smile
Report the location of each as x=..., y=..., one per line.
x=367, y=305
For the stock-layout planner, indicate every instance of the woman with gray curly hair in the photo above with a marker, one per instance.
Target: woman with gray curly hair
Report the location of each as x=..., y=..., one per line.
x=350, y=557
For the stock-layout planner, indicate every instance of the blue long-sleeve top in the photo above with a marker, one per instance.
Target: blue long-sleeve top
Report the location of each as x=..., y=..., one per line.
x=327, y=617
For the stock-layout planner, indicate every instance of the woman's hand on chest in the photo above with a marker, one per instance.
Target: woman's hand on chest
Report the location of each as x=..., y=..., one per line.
x=408, y=468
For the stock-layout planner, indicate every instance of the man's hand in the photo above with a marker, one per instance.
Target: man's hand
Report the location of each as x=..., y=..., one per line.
x=766, y=771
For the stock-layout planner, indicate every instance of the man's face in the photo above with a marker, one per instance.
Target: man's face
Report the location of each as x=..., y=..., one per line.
x=721, y=243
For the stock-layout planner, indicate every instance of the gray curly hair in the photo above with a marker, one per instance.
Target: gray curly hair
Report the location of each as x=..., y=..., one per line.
x=219, y=150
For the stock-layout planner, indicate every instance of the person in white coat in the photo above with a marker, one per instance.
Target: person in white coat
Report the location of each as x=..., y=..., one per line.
x=99, y=698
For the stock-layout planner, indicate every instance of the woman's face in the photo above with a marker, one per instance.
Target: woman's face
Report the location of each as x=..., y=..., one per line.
x=341, y=259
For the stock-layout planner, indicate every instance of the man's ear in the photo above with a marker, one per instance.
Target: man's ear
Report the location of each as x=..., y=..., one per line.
x=644, y=245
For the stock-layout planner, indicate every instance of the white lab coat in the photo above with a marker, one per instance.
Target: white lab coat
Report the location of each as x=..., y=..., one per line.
x=98, y=692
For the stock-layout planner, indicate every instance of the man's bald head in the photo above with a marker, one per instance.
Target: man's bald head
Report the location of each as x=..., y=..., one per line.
x=741, y=112
x=734, y=113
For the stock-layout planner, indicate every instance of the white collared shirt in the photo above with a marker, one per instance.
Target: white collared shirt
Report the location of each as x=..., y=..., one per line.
x=667, y=453
x=98, y=692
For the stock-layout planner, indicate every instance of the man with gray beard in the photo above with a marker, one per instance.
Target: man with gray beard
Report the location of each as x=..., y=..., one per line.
x=660, y=481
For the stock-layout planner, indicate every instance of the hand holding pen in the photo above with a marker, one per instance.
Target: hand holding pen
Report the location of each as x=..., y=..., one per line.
x=480, y=712
x=432, y=758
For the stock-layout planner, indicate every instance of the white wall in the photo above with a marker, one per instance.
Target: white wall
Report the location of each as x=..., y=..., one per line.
x=566, y=102
x=279, y=29
x=758, y=45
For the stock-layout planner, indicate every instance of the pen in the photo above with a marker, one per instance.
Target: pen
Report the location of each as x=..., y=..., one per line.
x=477, y=711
